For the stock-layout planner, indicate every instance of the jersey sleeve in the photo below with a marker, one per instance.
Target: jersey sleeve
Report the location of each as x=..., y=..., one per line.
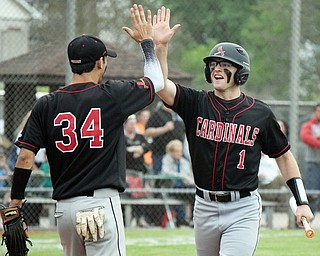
x=33, y=133
x=132, y=96
x=185, y=102
x=275, y=142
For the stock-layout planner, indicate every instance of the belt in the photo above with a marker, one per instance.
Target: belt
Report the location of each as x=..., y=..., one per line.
x=222, y=196
x=102, y=192
x=89, y=193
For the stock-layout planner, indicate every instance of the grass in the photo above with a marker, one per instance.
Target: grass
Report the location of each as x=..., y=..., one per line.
x=159, y=242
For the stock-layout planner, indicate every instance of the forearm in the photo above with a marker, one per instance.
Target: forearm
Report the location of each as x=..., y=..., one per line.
x=22, y=173
x=288, y=166
x=155, y=131
x=152, y=67
x=162, y=53
x=169, y=91
x=290, y=171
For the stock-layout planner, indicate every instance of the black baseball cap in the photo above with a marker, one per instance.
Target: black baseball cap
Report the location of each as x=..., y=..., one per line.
x=85, y=49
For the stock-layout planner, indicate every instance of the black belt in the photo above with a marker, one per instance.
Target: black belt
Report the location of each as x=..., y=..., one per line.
x=222, y=196
x=90, y=193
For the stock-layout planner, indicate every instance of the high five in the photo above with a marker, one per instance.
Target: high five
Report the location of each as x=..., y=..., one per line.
x=226, y=131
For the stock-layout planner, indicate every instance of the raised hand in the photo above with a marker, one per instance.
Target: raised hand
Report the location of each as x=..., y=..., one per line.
x=161, y=26
x=142, y=26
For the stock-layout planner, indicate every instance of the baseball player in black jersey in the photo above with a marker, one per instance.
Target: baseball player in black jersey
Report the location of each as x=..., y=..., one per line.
x=226, y=132
x=81, y=128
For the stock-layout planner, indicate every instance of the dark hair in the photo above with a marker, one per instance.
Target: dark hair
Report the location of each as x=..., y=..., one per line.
x=84, y=68
x=316, y=106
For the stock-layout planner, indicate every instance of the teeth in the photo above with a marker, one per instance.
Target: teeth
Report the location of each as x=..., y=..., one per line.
x=218, y=77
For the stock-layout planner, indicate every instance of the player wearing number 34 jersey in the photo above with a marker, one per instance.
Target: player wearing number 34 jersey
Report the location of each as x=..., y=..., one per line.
x=226, y=132
x=81, y=128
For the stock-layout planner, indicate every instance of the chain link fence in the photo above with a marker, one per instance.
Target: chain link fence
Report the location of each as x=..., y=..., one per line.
x=33, y=39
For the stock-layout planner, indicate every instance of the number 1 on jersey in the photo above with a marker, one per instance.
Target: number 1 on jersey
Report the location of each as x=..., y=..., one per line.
x=242, y=155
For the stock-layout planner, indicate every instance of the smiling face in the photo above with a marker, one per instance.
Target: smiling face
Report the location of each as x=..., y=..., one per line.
x=222, y=75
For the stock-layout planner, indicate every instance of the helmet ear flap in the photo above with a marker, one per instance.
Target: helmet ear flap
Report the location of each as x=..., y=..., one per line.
x=241, y=76
x=207, y=73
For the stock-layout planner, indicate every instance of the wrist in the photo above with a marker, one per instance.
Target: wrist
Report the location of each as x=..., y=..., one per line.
x=19, y=182
x=297, y=188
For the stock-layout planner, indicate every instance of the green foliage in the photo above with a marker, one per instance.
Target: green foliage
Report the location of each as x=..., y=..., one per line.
x=263, y=28
x=192, y=62
x=269, y=56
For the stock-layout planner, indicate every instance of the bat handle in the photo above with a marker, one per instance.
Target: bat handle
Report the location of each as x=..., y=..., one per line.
x=308, y=229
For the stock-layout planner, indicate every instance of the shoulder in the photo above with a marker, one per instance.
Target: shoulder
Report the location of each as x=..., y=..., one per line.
x=183, y=90
x=259, y=105
x=43, y=101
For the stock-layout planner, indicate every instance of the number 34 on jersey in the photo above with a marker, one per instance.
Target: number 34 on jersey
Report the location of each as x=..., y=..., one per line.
x=90, y=129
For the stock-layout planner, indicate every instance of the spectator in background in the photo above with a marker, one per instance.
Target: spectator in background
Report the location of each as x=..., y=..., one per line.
x=143, y=117
x=5, y=179
x=45, y=169
x=163, y=126
x=136, y=146
x=269, y=173
x=310, y=135
x=175, y=165
x=14, y=150
x=5, y=172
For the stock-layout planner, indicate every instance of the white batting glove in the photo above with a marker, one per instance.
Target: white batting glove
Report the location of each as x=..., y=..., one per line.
x=89, y=223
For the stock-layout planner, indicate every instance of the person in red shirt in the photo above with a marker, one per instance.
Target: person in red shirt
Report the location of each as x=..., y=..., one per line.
x=310, y=135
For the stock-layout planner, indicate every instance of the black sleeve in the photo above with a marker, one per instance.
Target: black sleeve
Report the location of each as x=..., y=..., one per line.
x=33, y=134
x=275, y=142
x=131, y=96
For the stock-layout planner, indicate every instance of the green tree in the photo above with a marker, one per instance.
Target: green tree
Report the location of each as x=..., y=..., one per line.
x=266, y=34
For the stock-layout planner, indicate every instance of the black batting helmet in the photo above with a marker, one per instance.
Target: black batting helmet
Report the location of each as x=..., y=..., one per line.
x=233, y=53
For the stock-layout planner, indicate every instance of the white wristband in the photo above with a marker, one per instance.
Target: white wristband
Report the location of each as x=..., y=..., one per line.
x=152, y=68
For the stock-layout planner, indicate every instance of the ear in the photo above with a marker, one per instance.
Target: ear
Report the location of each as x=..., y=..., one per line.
x=100, y=63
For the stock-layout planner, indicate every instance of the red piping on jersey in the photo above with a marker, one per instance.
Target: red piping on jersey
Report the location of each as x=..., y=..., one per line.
x=244, y=97
x=225, y=160
x=280, y=153
x=150, y=87
x=217, y=143
x=77, y=91
x=30, y=145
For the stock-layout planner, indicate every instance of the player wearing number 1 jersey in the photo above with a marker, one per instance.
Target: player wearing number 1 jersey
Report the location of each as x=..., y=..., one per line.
x=81, y=128
x=226, y=132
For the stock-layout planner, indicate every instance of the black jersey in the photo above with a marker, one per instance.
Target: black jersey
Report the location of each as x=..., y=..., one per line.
x=81, y=128
x=226, y=138
x=158, y=119
x=133, y=162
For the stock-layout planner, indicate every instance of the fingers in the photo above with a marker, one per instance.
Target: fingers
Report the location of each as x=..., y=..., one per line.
x=142, y=25
x=141, y=15
x=163, y=15
x=90, y=223
x=78, y=223
x=92, y=226
x=136, y=14
x=149, y=16
x=128, y=30
x=176, y=27
x=99, y=219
